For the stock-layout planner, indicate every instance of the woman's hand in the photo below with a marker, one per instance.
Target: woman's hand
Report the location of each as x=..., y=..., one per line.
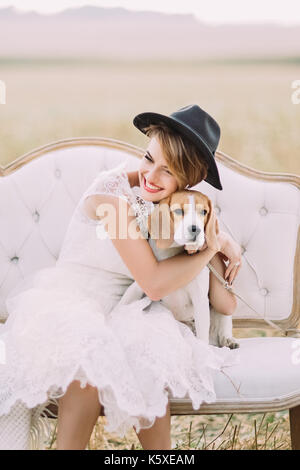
x=230, y=251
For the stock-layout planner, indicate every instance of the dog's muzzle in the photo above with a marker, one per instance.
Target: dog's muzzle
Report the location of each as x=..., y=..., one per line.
x=194, y=230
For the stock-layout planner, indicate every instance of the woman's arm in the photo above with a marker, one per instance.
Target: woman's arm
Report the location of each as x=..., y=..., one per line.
x=232, y=253
x=220, y=298
x=231, y=250
x=156, y=278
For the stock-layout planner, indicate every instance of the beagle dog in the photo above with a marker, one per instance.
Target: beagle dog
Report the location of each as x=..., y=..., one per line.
x=186, y=220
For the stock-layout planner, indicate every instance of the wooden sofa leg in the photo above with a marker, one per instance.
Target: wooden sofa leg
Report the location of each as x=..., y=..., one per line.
x=295, y=427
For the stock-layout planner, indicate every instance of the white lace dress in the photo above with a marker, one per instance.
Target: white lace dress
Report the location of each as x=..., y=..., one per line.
x=68, y=322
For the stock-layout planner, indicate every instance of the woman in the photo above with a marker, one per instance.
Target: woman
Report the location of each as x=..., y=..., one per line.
x=68, y=336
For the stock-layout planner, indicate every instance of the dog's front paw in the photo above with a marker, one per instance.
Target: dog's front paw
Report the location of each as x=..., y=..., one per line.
x=229, y=342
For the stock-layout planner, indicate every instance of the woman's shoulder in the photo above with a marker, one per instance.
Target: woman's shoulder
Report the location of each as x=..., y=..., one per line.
x=113, y=181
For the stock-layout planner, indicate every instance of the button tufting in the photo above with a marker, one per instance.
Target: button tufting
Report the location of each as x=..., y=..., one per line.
x=243, y=249
x=263, y=211
x=57, y=173
x=264, y=291
x=36, y=216
x=217, y=210
x=15, y=259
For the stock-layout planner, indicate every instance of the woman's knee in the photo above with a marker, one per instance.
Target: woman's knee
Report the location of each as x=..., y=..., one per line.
x=74, y=389
x=88, y=387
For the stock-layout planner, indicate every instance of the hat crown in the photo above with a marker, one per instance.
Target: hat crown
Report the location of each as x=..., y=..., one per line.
x=200, y=122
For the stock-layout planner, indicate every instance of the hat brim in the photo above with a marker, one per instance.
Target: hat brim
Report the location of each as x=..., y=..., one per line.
x=143, y=120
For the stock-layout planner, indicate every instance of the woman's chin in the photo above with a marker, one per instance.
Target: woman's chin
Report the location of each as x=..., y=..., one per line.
x=146, y=197
x=150, y=198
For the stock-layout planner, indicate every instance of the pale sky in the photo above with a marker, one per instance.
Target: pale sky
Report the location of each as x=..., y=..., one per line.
x=211, y=11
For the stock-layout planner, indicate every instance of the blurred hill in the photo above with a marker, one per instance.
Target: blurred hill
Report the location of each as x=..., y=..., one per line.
x=116, y=33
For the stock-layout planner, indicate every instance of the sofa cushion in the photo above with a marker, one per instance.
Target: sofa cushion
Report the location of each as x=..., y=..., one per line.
x=267, y=377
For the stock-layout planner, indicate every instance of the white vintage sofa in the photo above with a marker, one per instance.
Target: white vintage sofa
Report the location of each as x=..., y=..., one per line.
x=38, y=193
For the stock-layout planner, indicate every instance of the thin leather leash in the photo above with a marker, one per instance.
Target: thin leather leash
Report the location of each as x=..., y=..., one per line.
x=227, y=286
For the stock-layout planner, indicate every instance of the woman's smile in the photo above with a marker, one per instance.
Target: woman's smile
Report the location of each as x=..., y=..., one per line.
x=150, y=188
x=155, y=178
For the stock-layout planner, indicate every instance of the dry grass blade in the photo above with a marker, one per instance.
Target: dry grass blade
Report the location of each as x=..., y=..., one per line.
x=224, y=429
x=272, y=432
x=233, y=439
x=255, y=435
x=223, y=443
x=203, y=430
x=189, y=434
x=262, y=420
x=204, y=437
x=53, y=437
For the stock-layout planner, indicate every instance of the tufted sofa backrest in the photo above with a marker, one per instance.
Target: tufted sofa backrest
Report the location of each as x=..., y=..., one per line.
x=39, y=191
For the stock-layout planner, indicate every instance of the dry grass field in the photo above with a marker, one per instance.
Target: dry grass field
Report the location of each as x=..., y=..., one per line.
x=253, y=431
x=48, y=100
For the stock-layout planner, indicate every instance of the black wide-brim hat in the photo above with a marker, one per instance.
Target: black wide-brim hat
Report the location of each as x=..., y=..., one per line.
x=196, y=125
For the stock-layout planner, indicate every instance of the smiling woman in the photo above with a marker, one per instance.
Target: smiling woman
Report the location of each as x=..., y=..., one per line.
x=182, y=158
x=156, y=179
x=189, y=139
x=99, y=344
x=181, y=154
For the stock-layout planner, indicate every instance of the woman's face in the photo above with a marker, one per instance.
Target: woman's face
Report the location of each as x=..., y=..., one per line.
x=154, y=171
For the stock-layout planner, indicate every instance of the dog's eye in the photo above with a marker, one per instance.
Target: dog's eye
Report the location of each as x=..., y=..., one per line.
x=178, y=211
x=204, y=212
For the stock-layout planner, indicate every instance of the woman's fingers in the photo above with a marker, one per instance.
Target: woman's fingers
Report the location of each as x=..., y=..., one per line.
x=228, y=270
x=232, y=275
x=223, y=257
x=232, y=267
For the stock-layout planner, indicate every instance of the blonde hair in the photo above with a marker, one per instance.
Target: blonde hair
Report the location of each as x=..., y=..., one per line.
x=184, y=159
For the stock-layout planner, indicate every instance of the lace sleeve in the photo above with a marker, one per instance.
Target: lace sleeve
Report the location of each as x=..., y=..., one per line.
x=113, y=181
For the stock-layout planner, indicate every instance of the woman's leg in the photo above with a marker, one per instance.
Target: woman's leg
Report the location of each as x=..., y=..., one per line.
x=78, y=411
x=158, y=437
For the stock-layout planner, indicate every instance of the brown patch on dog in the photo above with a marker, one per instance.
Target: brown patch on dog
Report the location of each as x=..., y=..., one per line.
x=161, y=223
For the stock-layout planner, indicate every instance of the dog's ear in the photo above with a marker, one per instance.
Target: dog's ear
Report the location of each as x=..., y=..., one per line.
x=212, y=229
x=161, y=224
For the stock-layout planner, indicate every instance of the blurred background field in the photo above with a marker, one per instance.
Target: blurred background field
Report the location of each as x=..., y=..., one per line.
x=52, y=99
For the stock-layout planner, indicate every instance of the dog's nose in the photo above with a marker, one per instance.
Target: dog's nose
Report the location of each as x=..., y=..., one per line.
x=194, y=230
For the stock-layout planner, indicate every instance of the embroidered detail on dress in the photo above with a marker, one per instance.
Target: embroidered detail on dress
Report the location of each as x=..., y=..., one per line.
x=115, y=181
x=142, y=209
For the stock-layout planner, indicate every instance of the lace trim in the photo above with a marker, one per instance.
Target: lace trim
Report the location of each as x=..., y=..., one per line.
x=115, y=181
x=142, y=210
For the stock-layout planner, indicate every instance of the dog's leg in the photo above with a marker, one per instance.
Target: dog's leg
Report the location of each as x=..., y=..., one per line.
x=220, y=333
x=198, y=291
x=202, y=324
x=201, y=310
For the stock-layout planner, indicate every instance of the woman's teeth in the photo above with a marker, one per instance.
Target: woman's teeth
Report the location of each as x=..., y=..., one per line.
x=150, y=187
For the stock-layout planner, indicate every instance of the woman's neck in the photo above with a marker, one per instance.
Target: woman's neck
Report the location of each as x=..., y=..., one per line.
x=133, y=178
